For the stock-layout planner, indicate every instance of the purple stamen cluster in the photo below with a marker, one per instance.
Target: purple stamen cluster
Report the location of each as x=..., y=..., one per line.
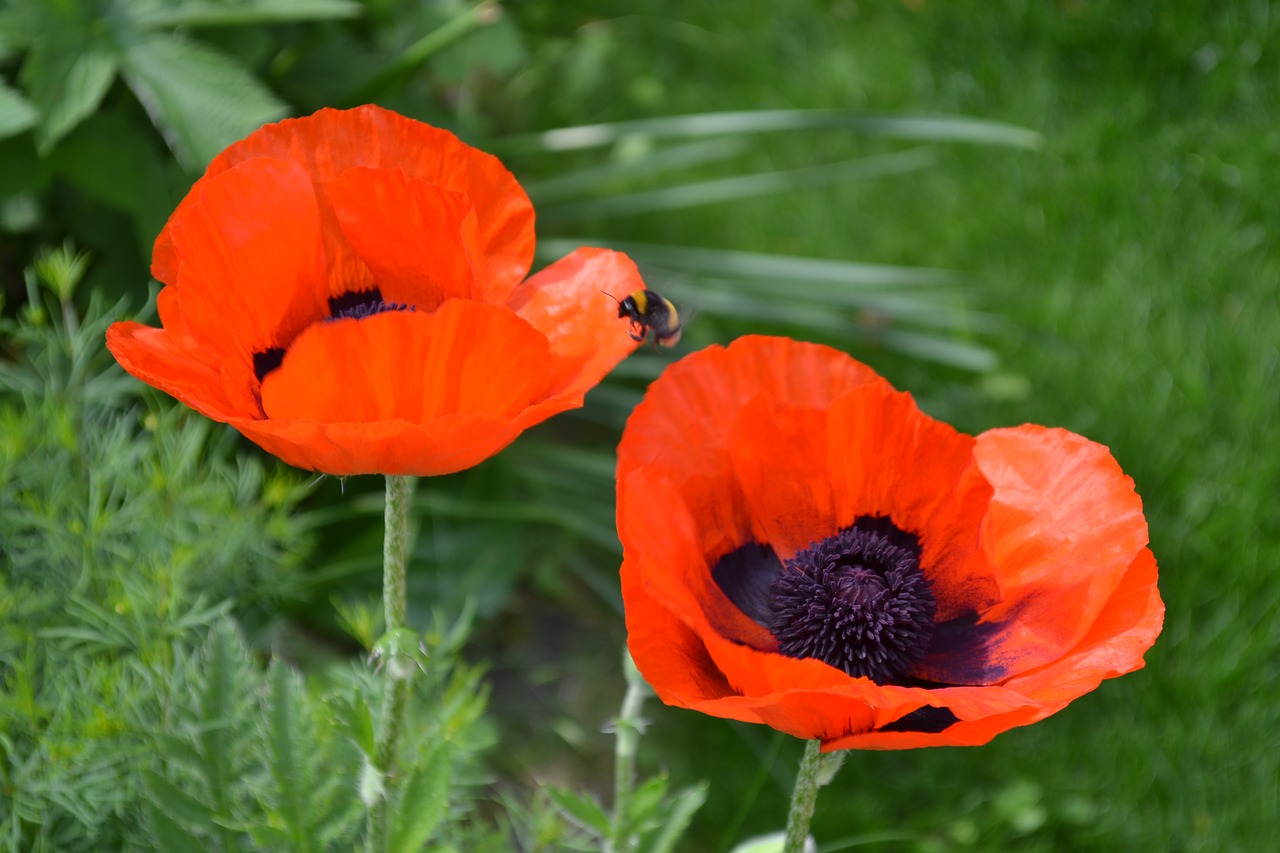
x=858, y=601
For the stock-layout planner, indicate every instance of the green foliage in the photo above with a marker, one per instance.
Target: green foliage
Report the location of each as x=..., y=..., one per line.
x=199, y=99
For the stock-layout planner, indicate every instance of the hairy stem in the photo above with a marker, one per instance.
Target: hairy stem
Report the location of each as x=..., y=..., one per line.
x=815, y=771
x=396, y=670
x=627, y=727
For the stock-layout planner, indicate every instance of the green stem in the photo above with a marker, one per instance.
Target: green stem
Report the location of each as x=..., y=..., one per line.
x=803, y=797
x=624, y=758
x=395, y=548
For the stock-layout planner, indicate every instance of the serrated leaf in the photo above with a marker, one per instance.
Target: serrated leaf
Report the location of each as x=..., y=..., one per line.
x=16, y=112
x=66, y=81
x=683, y=806
x=168, y=833
x=424, y=802
x=216, y=700
x=356, y=722
x=581, y=809
x=177, y=804
x=288, y=769
x=202, y=13
x=200, y=100
x=270, y=837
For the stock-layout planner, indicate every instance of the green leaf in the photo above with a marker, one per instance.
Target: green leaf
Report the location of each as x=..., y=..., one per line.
x=66, y=80
x=921, y=127
x=736, y=187
x=581, y=809
x=771, y=843
x=217, y=698
x=234, y=14
x=285, y=754
x=683, y=806
x=629, y=166
x=169, y=834
x=176, y=804
x=356, y=721
x=199, y=99
x=16, y=112
x=423, y=803
x=730, y=263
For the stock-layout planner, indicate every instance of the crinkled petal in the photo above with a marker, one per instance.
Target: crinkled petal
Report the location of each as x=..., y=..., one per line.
x=685, y=422
x=160, y=359
x=1063, y=526
x=779, y=456
x=889, y=458
x=445, y=445
x=252, y=270
x=330, y=142
x=565, y=302
x=467, y=358
x=673, y=568
x=415, y=238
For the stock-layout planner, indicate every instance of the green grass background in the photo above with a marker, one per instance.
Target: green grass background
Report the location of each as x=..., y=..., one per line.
x=1135, y=258
x=1126, y=273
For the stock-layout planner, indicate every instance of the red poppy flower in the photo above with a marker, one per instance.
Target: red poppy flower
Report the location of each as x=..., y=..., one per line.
x=804, y=548
x=346, y=290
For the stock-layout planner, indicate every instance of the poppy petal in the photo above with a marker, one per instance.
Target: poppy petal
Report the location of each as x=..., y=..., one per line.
x=679, y=577
x=1032, y=539
x=414, y=237
x=684, y=422
x=442, y=446
x=252, y=268
x=330, y=142
x=467, y=358
x=160, y=359
x=889, y=458
x=779, y=455
x=565, y=303
x=668, y=653
x=1063, y=526
x=1116, y=643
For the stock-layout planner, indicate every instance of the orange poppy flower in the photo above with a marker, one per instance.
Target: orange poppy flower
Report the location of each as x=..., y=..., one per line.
x=348, y=291
x=804, y=548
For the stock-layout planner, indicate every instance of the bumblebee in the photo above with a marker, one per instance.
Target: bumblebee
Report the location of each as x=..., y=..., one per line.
x=649, y=311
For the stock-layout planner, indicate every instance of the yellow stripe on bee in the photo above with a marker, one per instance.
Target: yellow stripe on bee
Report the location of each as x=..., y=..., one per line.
x=674, y=319
x=642, y=301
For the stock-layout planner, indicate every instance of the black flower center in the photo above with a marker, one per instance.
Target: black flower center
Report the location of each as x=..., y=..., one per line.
x=359, y=304
x=856, y=600
x=353, y=305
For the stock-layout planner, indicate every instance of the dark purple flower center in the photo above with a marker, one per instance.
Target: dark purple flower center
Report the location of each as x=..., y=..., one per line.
x=857, y=601
x=358, y=304
x=353, y=305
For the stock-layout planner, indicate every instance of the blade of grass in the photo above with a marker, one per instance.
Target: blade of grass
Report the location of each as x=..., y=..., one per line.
x=728, y=263
x=583, y=182
x=918, y=127
x=737, y=187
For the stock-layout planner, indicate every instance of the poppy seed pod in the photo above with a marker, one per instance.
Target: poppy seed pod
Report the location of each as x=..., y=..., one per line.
x=347, y=290
x=804, y=548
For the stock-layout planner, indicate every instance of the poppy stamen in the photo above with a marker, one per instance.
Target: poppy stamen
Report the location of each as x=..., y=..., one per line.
x=858, y=601
x=358, y=304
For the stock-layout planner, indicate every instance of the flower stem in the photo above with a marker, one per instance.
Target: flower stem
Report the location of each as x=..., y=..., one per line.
x=397, y=671
x=815, y=771
x=627, y=728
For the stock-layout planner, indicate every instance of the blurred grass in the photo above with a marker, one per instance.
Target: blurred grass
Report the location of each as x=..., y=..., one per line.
x=1125, y=274
x=1135, y=260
